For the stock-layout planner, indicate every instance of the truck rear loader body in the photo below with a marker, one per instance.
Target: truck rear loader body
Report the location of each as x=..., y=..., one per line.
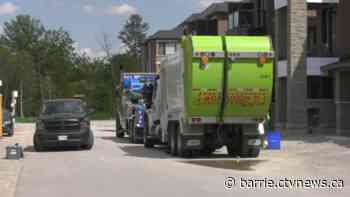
x=213, y=93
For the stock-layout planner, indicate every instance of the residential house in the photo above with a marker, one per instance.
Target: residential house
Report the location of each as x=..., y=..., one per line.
x=245, y=17
x=158, y=46
x=312, y=47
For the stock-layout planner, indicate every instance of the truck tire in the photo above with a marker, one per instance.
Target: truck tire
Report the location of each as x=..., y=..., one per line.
x=146, y=141
x=207, y=151
x=118, y=129
x=181, y=151
x=172, y=140
x=231, y=150
x=120, y=134
x=247, y=151
x=254, y=152
x=131, y=131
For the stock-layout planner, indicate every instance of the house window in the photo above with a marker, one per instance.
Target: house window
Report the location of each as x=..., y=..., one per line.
x=246, y=19
x=320, y=87
x=162, y=49
x=170, y=48
x=328, y=29
x=312, y=39
x=247, y=16
x=233, y=20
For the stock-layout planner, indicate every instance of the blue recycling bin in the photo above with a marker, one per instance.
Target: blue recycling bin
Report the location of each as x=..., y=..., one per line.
x=274, y=140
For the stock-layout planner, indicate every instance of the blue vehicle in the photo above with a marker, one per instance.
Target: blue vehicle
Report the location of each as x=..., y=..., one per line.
x=137, y=127
x=130, y=111
x=7, y=123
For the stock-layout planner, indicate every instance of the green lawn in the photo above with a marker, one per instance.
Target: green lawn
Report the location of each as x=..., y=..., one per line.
x=101, y=116
x=95, y=116
x=25, y=119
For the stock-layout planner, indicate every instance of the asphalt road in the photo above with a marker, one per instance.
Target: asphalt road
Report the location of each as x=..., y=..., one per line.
x=116, y=168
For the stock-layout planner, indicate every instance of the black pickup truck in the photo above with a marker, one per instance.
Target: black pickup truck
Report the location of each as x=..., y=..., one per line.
x=63, y=122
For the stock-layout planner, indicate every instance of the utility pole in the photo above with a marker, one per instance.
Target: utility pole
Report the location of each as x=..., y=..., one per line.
x=1, y=112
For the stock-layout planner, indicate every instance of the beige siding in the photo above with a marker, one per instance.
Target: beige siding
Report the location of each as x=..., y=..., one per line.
x=222, y=24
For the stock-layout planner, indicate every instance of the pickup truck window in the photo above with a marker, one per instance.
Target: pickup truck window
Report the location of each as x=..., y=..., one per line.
x=56, y=107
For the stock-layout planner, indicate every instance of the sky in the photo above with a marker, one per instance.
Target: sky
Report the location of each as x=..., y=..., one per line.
x=86, y=20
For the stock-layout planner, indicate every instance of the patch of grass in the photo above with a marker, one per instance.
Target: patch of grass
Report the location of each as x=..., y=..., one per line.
x=101, y=116
x=95, y=116
x=25, y=119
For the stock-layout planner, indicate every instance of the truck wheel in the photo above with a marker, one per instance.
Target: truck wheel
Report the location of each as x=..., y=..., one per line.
x=172, y=140
x=247, y=151
x=118, y=130
x=131, y=131
x=231, y=150
x=254, y=152
x=147, y=142
x=138, y=135
x=120, y=134
x=207, y=151
x=181, y=151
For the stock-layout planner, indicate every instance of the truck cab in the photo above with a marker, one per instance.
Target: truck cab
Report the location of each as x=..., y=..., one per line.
x=134, y=97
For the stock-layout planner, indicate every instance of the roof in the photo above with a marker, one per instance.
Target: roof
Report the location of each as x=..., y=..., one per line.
x=194, y=17
x=216, y=8
x=177, y=32
x=223, y=7
x=345, y=64
x=174, y=34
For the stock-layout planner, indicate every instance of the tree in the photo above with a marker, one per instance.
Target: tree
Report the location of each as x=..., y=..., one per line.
x=44, y=54
x=22, y=33
x=134, y=34
x=105, y=44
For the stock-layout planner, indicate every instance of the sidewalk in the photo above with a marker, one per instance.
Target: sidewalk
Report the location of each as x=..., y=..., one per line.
x=10, y=169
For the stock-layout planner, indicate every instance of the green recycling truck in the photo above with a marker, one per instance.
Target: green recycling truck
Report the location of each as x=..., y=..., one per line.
x=213, y=93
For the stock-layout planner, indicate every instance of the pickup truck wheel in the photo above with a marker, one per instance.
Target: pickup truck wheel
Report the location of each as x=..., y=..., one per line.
x=90, y=143
x=37, y=145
